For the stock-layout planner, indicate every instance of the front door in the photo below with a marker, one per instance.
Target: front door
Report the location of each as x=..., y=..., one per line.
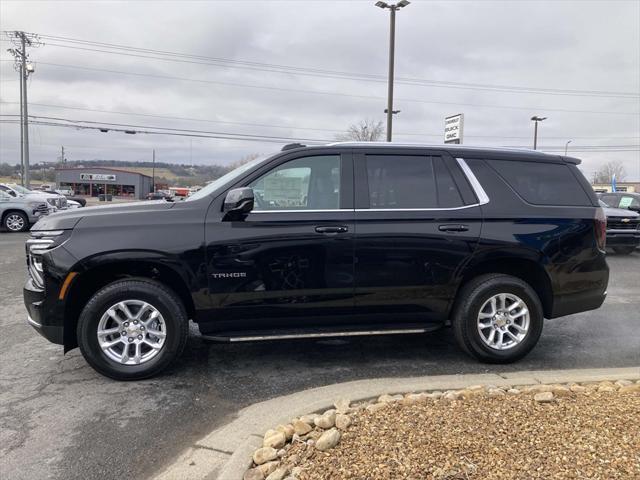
x=418, y=222
x=291, y=259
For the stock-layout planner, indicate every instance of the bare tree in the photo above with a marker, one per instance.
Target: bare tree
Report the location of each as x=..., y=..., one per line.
x=365, y=131
x=606, y=172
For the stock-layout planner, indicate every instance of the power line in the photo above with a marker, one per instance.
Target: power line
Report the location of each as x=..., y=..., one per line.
x=328, y=93
x=288, y=69
x=290, y=127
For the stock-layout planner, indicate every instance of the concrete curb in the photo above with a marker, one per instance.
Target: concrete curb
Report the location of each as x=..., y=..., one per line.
x=225, y=453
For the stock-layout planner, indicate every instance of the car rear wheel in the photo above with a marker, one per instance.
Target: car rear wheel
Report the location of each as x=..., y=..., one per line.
x=132, y=329
x=16, y=222
x=498, y=318
x=624, y=250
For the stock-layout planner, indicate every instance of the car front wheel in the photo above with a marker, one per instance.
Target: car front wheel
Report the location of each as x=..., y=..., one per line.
x=498, y=318
x=132, y=329
x=16, y=222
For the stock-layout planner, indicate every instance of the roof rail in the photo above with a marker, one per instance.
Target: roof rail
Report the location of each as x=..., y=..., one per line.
x=291, y=146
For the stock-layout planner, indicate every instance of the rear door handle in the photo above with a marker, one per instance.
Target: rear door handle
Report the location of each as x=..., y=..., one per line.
x=453, y=228
x=333, y=229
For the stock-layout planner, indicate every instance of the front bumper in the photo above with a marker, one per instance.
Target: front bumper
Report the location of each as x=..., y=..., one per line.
x=34, y=301
x=623, y=238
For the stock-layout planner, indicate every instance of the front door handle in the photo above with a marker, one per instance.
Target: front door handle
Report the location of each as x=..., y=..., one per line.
x=453, y=228
x=333, y=229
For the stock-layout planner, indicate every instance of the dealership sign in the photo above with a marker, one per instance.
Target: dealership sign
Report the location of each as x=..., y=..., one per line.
x=453, y=128
x=100, y=177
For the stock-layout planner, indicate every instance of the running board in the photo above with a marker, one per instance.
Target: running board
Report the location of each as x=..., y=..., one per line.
x=239, y=337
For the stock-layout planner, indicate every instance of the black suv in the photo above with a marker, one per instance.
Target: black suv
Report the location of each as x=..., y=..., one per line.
x=336, y=240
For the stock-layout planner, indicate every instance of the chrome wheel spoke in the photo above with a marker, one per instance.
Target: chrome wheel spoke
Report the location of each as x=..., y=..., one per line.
x=138, y=354
x=519, y=328
x=110, y=343
x=521, y=313
x=157, y=333
x=108, y=331
x=155, y=346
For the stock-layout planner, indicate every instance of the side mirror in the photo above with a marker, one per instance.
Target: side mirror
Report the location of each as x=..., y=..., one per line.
x=239, y=200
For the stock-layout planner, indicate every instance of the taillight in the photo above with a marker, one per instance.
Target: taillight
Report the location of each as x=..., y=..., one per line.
x=600, y=226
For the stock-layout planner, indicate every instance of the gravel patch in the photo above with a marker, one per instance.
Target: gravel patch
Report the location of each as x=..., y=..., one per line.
x=542, y=432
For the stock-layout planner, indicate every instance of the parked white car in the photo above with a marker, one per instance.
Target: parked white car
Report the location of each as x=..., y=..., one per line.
x=59, y=202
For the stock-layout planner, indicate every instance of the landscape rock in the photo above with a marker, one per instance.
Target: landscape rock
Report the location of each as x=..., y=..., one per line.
x=577, y=388
x=386, y=398
x=264, y=454
x=623, y=383
x=513, y=391
x=326, y=420
x=274, y=439
x=328, y=440
x=375, y=407
x=561, y=391
x=301, y=428
x=267, y=468
x=287, y=430
x=342, y=421
x=630, y=388
x=496, y=392
x=278, y=474
x=342, y=405
x=308, y=419
x=543, y=397
x=253, y=474
x=413, y=398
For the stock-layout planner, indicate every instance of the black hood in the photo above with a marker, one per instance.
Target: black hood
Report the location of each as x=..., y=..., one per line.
x=104, y=215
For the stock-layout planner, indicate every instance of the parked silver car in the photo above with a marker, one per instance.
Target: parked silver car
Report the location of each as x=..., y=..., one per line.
x=18, y=213
x=53, y=199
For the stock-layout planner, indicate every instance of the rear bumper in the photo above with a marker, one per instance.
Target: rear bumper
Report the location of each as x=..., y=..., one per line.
x=578, y=302
x=34, y=301
x=622, y=238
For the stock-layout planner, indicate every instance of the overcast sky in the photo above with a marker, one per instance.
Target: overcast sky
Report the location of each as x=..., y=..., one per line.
x=591, y=46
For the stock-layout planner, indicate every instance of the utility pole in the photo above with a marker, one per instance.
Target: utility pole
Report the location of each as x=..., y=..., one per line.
x=62, y=159
x=21, y=41
x=392, y=47
x=536, y=119
x=153, y=173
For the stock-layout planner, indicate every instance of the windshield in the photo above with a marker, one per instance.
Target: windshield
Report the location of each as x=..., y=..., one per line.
x=20, y=189
x=226, y=178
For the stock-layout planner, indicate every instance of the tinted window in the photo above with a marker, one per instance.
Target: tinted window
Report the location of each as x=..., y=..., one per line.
x=309, y=183
x=542, y=183
x=403, y=181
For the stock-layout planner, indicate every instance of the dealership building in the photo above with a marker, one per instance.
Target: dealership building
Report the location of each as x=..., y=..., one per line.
x=102, y=180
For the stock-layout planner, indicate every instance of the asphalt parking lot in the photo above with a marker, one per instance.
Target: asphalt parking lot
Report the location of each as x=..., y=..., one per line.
x=60, y=419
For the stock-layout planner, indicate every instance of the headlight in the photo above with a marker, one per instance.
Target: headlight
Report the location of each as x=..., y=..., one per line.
x=34, y=205
x=40, y=243
x=52, y=201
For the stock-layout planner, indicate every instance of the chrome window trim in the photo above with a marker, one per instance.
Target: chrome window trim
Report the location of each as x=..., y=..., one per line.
x=416, y=209
x=475, y=184
x=305, y=211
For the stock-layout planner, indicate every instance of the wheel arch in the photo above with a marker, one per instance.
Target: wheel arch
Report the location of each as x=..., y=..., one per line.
x=6, y=213
x=525, y=269
x=98, y=274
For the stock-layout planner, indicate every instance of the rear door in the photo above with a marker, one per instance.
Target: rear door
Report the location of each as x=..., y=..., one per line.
x=418, y=222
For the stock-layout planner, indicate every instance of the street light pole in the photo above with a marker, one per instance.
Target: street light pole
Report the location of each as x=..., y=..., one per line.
x=392, y=47
x=153, y=174
x=566, y=147
x=536, y=119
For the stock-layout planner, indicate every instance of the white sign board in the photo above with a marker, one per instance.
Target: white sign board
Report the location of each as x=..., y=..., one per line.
x=453, y=128
x=100, y=177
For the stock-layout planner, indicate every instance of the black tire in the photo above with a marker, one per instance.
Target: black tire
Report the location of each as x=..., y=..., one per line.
x=164, y=300
x=473, y=296
x=10, y=219
x=624, y=250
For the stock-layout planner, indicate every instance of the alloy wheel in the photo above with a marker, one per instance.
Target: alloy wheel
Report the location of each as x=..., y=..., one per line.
x=14, y=222
x=131, y=332
x=503, y=321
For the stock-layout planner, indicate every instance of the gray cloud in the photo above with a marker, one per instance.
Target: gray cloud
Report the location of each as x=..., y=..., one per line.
x=563, y=45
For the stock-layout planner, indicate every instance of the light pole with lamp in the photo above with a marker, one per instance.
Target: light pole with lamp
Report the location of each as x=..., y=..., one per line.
x=566, y=147
x=392, y=41
x=536, y=119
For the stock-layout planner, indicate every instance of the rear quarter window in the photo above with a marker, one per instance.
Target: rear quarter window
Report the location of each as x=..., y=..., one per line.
x=541, y=183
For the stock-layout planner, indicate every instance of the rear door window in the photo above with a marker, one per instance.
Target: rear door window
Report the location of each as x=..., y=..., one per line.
x=410, y=181
x=542, y=183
